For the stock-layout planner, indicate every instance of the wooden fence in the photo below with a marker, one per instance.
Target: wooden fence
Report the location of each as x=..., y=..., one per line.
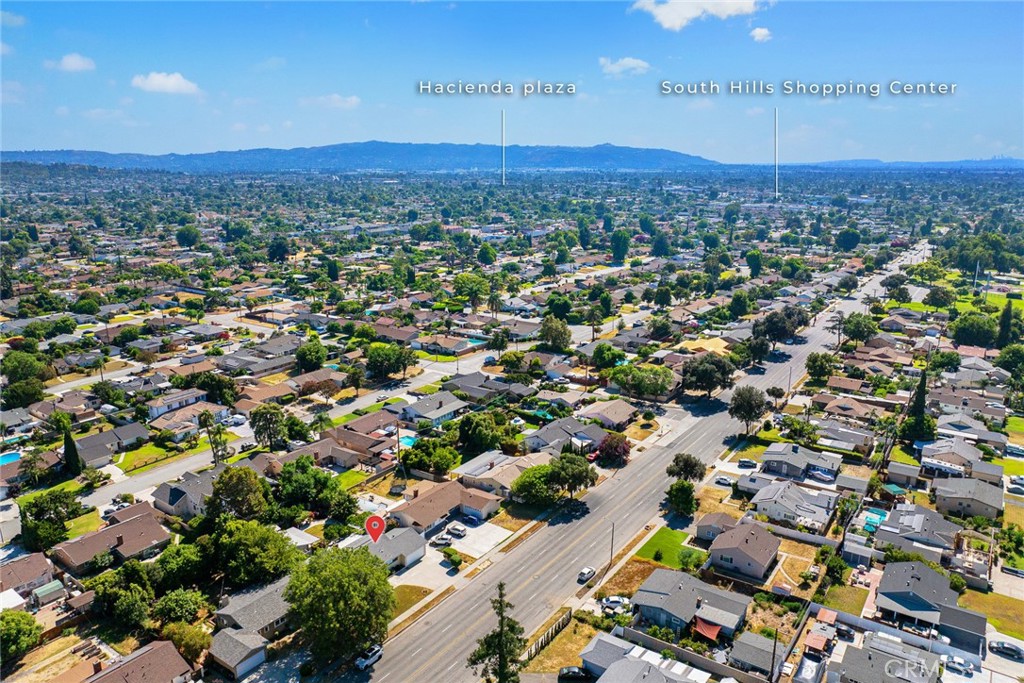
x=547, y=636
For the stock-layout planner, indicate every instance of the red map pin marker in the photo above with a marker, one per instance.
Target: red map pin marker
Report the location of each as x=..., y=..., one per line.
x=375, y=526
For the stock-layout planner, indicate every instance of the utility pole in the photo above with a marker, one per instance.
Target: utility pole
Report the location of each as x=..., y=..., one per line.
x=611, y=550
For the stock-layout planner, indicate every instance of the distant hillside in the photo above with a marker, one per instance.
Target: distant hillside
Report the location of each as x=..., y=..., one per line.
x=966, y=164
x=385, y=156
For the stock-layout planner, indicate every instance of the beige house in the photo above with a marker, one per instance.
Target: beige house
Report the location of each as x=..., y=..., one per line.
x=747, y=549
x=495, y=472
x=616, y=414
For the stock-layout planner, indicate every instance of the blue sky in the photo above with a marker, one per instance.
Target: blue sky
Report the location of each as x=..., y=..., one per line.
x=196, y=77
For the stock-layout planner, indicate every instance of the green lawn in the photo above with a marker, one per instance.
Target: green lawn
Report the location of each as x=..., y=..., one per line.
x=407, y=596
x=439, y=358
x=90, y=521
x=351, y=478
x=343, y=419
x=849, y=599
x=670, y=543
x=900, y=454
x=316, y=530
x=428, y=389
x=72, y=485
x=150, y=455
x=1002, y=611
x=1011, y=466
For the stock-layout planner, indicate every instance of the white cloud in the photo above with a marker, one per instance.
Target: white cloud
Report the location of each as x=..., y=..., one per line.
x=755, y=111
x=12, y=92
x=332, y=101
x=126, y=101
x=61, y=111
x=158, y=81
x=238, y=127
x=6, y=49
x=287, y=125
x=761, y=35
x=11, y=20
x=263, y=128
x=270, y=64
x=100, y=114
x=627, y=66
x=676, y=14
x=71, y=63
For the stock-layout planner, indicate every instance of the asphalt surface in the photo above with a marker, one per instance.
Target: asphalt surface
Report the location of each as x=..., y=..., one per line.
x=540, y=573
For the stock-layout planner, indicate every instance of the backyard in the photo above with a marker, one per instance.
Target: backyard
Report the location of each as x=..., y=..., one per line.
x=667, y=547
x=849, y=599
x=900, y=454
x=352, y=478
x=1002, y=611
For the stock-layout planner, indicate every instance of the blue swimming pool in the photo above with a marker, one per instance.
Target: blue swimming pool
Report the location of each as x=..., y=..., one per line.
x=408, y=441
x=9, y=457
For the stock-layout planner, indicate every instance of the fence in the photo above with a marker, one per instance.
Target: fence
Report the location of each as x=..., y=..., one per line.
x=813, y=539
x=547, y=636
x=692, y=658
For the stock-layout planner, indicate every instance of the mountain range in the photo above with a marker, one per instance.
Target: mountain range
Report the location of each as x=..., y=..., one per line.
x=440, y=157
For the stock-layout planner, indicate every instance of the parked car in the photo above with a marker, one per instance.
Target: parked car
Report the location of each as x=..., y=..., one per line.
x=441, y=539
x=369, y=658
x=615, y=602
x=844, y=632
x=573, y=673
x=592, y=456
x=723, y=481
x=296, y=444
x=1015, y=490
x=957, y=665
x=1017, y=480
x=586, y=574
x=1006, y=649
x=747, y=463
x=821, y=476
x=456, y=530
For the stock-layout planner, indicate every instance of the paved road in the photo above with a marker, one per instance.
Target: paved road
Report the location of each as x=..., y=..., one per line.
x=540, y=574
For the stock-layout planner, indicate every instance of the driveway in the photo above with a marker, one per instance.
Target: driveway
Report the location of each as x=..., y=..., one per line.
x=428, y=572
x=1008, y=584
x=480, y=540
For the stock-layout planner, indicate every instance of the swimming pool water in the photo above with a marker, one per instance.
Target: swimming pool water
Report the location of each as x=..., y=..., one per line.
x=408, y=441
x=7, y=458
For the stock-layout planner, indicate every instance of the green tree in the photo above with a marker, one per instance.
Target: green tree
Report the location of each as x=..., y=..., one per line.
x=533, y=486
x=820, y=365
x=707, y=373
x=1011, y=359
x=19, y=633
x=337, y=502
x=974, y=329
x=216, y=436
x=687, y=467
x=847, y=239
x=477, y=433
x=740, y=304
x=311, y=355
x=680, y=498
x=496, y=657
x=571, y=473
x=636, y=380
x=240, y=493
x=555, y=333
x=620, y=241
x=181, y=564
x=473, y=287
x=754, y=262
x=606, y=356
x=23, y=394
x=939, y=297
x=1005, y=334
x=18, y=366
x=859, y=327
x=179, y=604
x=342, y=600
x=301, y=482
x=759, y=348
x=187, y=236
x=748, y=404
x=267, y=422
x=190, y=641
x=487, y=254
x=251, y=552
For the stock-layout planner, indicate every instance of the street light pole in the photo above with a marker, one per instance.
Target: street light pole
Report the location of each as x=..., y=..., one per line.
x=611, y=550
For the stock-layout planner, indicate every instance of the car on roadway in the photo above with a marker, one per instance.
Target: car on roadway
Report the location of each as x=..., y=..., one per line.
x=441, y=539
x=723, y=481
x=957, y=665
x=586, y=574
x=1005, y=649
x=573, y=673
x=747, y=463
x=370, y=657
x=457, y=530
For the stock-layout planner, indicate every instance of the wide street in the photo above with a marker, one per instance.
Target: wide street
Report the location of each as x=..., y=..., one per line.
x=540, y=574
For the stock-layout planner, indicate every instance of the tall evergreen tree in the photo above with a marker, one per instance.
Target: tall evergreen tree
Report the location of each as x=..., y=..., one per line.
x=920, y=404
x=497, y=653
x=72, y=461
x=1005, y=334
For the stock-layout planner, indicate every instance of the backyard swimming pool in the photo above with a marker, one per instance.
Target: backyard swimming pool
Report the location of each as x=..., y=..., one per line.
x=9, y=457
x=408, y=441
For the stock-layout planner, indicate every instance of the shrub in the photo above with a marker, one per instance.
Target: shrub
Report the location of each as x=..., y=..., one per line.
x=658, y=555
x=307, y=668
x=767, y=426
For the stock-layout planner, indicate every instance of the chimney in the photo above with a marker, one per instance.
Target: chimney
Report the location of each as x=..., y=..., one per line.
x=490, y=465
x=97, y=667
x=415, y=493
x=120, y=541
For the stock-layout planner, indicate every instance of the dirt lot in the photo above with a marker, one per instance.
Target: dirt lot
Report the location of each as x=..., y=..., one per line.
x=797, y=549
x=49, y=661
x=717, y=499
x=772, y=616
x=381, y=486
x=628, y=579
x=564, y=650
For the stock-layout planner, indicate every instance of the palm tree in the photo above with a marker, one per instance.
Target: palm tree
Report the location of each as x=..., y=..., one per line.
x=594, y=318
x=494, y=303
x=321, y=422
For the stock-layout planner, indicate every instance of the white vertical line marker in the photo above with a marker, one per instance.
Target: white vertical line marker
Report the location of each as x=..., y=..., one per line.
x=503, y=148
x=776, y=152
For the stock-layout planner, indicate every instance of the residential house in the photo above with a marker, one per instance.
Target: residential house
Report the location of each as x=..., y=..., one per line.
x=850, y=408
x=174, y=400
x=495, y=472
x=787, y=501
x=436, y=409
x=970, y=429
x=398, y=548
x=567, y=430
x=248, y=621
x=186, y=497
x=98, y=449
x=883, y=660
x=714, y=523
x=481, y=388
x=570, y=399
x=138, y=537
x=903, y=474
x=917, y=529
x=753, y=652
x=12, y=473
x=155, y=662
x=434, y=507
x=968, y=498
x=307, y=382
x=747, y=549
x=445, y=345
x=681, y=601
x=184, y=422
x=26, y=573
x=840, y=435
x=915, y=593
x=615, y=414
x=610, y=659
x=793, y=460
x=957, y=457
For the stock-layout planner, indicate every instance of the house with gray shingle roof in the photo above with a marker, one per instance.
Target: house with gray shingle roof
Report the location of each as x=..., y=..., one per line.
x=247, y=623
